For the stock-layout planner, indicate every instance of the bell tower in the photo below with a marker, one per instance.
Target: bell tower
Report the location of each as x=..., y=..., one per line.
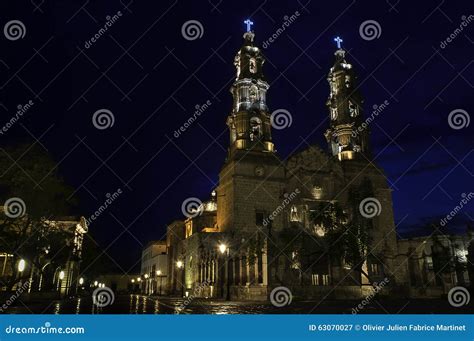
x=252, y=178
x=249, y=121
x=345, y=137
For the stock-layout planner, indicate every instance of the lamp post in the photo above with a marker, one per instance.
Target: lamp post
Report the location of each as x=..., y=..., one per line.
x=180, y=266
x=224, y=249
x=160, y=275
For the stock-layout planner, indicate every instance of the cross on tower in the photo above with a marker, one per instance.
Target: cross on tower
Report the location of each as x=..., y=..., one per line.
x=249, y=24
x=338, y=41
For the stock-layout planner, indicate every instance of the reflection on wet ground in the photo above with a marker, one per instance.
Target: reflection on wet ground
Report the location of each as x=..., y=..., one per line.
x=139, y=304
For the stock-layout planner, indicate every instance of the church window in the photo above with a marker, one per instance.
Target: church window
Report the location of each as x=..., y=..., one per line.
x=317, y=192
x=353, y=110
x=253, y=92
x=319, y=230
x=259, y=218
x=255, y=128
x=294, y=214
x=315, y=279
x=375, y=269
x=333, y=113
x=253, y=65
x=325, y=279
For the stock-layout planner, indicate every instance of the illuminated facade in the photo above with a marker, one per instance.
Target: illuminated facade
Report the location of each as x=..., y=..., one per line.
x=260, y=229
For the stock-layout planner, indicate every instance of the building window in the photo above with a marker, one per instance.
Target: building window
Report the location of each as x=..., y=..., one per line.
x=320, y=279
x=317, y=192
x=375, y=269
x=259, y=218
x=294, y=214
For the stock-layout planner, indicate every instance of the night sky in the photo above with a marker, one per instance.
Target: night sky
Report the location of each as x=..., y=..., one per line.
x=151, y=78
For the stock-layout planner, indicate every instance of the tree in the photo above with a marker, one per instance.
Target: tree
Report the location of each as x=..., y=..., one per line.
x=33, y=194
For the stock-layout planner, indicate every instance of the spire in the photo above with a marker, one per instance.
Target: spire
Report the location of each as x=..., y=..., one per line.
x=249, y=121
x=344, y=136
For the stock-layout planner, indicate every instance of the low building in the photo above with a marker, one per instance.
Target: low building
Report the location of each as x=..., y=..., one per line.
x=154, y=268
x=54, y=266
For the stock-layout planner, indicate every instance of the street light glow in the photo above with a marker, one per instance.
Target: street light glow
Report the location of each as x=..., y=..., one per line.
x=139, y=279
x=146, y=276
x=133, y=281
x=222, y=248
x=95, y=283
x=61, y=275
x=81, y=281
x=158, y=272
x=21, y=265
x=179, y=264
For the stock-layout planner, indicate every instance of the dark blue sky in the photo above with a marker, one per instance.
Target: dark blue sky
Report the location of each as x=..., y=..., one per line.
x=151, y=78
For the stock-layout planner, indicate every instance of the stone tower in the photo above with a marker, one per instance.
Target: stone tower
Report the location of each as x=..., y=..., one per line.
x=252, y=178
x=344, y=137
x=348, y=139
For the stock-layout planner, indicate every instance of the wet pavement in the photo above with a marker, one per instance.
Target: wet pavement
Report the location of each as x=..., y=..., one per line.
x=139, y=304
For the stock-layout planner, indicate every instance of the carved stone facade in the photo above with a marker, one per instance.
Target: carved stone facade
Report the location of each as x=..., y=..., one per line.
x=260, y=229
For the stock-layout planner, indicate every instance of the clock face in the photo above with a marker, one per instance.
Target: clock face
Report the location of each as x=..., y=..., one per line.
x=259, y=171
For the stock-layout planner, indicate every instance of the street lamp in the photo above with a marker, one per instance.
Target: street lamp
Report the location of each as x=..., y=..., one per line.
x=81, y=281
x=224, y=249
x=146, y=276
x=180, y=266
x=61, y=275
x=159, y=274
x=21, y=265
x=133, y=281
x=95, y=283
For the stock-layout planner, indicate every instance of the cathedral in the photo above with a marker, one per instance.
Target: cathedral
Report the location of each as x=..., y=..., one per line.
x=320, y=223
